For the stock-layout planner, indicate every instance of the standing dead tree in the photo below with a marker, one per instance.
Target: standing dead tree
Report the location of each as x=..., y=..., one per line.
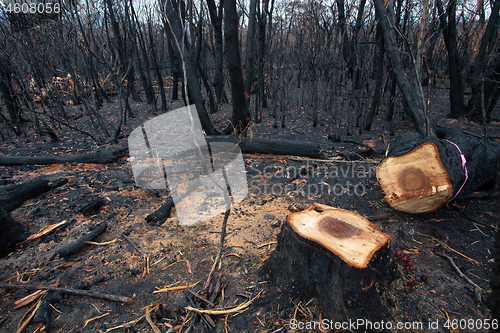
x=408, y=89
x=171, y=11
x=241, y=116
x=449, y=28
x=478, y=68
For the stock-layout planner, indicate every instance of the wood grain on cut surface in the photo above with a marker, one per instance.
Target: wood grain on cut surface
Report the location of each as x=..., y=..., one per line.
x=347, y=234
x=417, y=181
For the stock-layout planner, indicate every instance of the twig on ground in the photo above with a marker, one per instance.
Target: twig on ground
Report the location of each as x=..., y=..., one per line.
x=451, y=249
x=477, y=289
x=115, y=298
x=175, y=288
x=474, y=220
x=150, y=321
x=226, y=311
x=144, y=254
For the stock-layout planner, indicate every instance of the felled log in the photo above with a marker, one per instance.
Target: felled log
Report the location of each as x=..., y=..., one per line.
x=423, y=174
x=162, y=213
x=16, y=195
x=272, y=146
x=336, y=256
x=80, y=242
x=11, y=231
x=100, y=155
x=92, y=207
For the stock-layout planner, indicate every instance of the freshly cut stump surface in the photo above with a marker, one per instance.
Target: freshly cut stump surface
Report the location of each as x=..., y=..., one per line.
x=417, y=181
x=346, y=234
x=337, y=257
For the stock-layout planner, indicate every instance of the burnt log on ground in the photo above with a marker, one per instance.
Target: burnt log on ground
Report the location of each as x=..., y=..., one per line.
x=11, y=231
x=162, y=213
x=272, y=146
x=337, y=257
x=100, y=155
x=423, y=174
x=77, y=245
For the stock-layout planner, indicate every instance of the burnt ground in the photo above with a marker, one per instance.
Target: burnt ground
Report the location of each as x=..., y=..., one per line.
x=428, y=288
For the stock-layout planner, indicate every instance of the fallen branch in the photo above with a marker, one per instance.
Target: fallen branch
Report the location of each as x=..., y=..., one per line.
x=150, y=321
x=226, y=311
x=80, y=243
x=474, y=220
x=144, y=254
x=100, y=155
x=115, y=298
x=477, y=289
x=175, y=288
x=451, y=249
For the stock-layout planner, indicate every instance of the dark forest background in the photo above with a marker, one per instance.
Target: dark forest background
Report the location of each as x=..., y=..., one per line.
x=258, y=54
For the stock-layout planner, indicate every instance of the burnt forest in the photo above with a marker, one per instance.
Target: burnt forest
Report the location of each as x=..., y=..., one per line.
x=249, y=166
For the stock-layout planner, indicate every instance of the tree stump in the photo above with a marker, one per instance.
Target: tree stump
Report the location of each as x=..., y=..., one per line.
x=336, y=256
x=423, y=174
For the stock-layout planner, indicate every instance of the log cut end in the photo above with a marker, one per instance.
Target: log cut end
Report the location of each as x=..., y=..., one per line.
x=347, y=234
x=415, y=182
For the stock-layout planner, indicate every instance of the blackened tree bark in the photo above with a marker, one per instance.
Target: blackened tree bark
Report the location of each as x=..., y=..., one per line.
x=405, y=85
x=492, y=88
x=392, y=92
x=122, y=52
x=156, y=65
x=241, y=116
x=8, y=93
x=346, y=50
x=249, y=50
x=175, y=66
x=264, y=15
x=474, y=105
x=175, y=29
x=354, y=47
x=449, y=29
x=378, y=82
x=216, y=17
x=139, y=45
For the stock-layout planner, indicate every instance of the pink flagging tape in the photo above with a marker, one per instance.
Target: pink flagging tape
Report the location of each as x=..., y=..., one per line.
x=464, y=167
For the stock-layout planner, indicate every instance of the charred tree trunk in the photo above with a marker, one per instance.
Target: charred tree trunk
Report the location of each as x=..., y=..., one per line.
x=216, y=17
x=249, y=50
x=378, y=83
x=409, y=91
x=101, y=155
x=354, y=47
x=175, y=29
x=8, y=93
x=157, y=65
x=11, y=231
x=122, y=52
x=241, y=116
x=423, y=174
x=455, y=69
x=474, y=105
x=264, y=15
x=175, y=66
x=321, y=253
x=139, y=46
